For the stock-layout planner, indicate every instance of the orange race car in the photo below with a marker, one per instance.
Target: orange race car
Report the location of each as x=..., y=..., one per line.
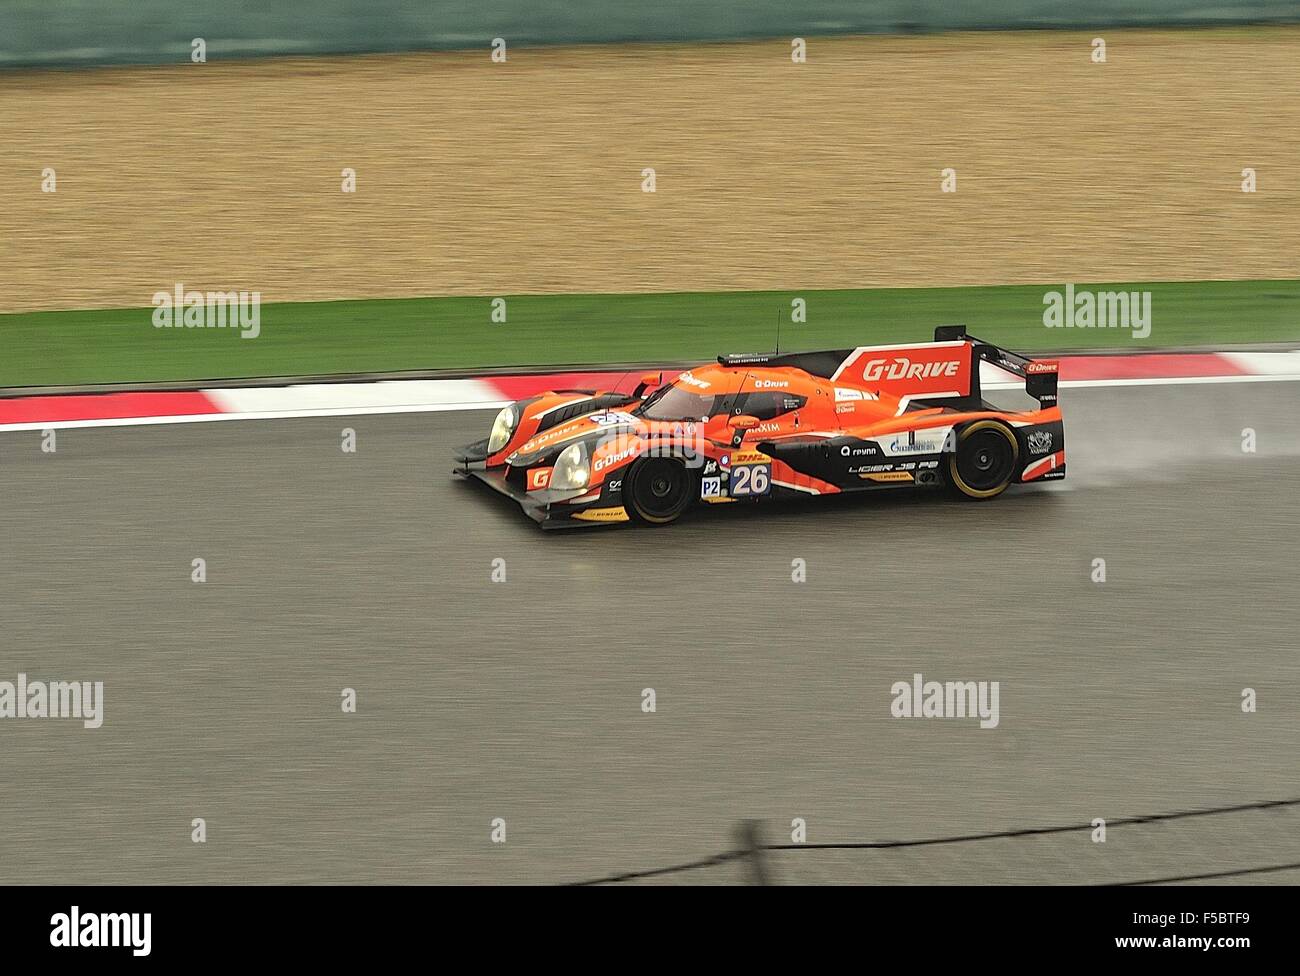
x=762, y=426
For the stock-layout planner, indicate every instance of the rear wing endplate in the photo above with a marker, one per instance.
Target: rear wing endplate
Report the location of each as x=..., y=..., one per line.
x=1040, y=375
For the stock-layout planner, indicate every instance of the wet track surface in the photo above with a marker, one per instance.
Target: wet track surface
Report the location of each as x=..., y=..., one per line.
x=522, y=699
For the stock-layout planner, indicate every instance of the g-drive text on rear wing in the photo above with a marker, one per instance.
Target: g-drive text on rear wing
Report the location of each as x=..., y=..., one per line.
x=1040, y=375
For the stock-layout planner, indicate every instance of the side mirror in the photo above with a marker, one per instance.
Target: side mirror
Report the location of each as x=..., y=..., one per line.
x=647, y=380
x=739, y=425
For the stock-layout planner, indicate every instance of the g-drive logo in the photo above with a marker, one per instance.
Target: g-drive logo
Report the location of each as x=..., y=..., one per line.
x=903, y=368
x=105, y=930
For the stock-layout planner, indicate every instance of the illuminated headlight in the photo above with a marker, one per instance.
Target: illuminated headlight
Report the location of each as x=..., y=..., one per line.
x=502, y=428
x=572, y=469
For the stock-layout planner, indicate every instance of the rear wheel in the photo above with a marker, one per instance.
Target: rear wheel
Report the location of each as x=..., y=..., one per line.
x=658, y=490
x=985, y=460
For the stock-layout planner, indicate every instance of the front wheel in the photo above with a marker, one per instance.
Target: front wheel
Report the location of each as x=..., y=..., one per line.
x=658, y=490
x=985, y=460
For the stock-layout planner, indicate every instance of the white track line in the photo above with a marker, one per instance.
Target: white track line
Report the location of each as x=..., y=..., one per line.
x=1158, y=381
x=261, y=415
x=351, y=396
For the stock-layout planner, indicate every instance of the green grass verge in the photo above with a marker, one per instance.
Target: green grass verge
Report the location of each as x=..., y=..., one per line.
x=121, y=345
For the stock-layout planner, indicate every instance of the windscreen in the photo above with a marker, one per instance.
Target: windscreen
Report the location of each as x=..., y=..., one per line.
x=675, y=403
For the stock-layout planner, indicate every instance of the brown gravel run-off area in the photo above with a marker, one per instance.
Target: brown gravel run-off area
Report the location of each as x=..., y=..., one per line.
x=525, y=177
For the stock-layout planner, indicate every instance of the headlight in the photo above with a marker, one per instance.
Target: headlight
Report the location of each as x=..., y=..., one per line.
x=502, y=428
x=571, y=468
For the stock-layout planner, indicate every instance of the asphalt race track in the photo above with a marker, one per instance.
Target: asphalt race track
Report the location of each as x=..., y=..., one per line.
x=522, y=700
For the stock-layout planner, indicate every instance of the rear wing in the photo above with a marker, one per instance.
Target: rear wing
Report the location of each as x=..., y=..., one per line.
x=1040, y=375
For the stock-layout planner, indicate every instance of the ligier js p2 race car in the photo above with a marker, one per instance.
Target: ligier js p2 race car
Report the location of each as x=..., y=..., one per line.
x=755, y=427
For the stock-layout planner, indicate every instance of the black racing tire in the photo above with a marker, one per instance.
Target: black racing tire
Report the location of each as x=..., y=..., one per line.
x=985, y=460
x=658, y=490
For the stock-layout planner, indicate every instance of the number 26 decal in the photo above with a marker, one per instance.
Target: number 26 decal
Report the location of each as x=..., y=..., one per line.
x=752, y=479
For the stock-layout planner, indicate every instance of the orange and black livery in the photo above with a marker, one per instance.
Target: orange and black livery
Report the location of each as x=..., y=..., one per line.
x=753, y=427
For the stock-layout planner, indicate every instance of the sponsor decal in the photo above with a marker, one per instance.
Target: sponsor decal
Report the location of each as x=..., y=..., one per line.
x=1040, y=442
x=747, y=457
x=901, y=445
x=1043, y=366
x=694, y=381
x=618, y=514
x=751, y=479
x=614, y=485
x=863, y=450
x=848, y=394
x=770, y=384
x=888, y=476
x=616, y=418
x=571, y=429
x=617, y=458
x=539, y=478
x=710, y=467
x=902, y=368
x=538, y=442
x=932, y=441
x=1050, y=467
